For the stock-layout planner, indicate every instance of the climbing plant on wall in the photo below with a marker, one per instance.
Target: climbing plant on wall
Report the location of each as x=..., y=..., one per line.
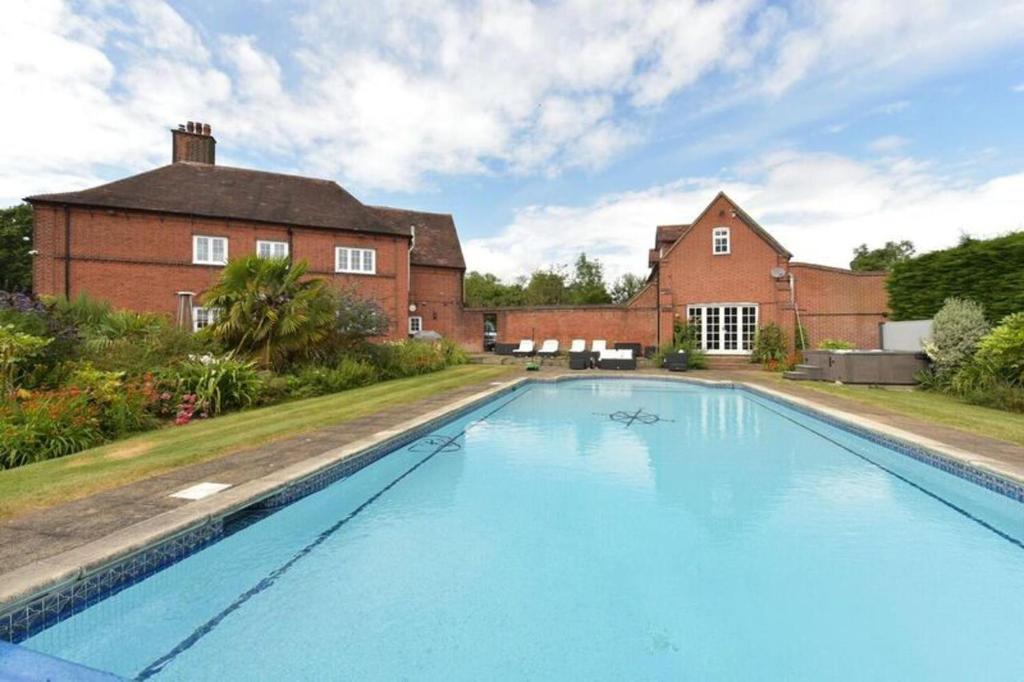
x=989, y=271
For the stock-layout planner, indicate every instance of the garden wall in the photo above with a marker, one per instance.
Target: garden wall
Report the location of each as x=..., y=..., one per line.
x=840, y=304
x=634, y=322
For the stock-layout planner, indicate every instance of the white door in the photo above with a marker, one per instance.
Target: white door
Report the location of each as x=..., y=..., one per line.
x=725, y=329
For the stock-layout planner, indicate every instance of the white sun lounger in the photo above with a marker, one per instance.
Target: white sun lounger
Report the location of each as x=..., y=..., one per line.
x=578, y=346
x=525, y=348
x=548, y=348
x=598, y=345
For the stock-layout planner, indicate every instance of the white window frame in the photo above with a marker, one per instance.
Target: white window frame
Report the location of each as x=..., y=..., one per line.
x=419, y=319
x=355, y=255
x=270, y=244
x=723, y=334
x=723, y=233
x=211, y=316
x=209, y=250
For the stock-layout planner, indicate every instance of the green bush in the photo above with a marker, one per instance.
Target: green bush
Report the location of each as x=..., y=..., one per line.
x=17, y=350
x=836, y=344
x=989, y=271
x=684, y=337
x=123, y=407
x=410, y=357
x=349, y=373
x=217, y=384
x=771, y=348
x=956, y=331
x=1002, y=350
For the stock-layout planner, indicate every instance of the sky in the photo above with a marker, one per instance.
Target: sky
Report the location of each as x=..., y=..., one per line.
x=549, y=128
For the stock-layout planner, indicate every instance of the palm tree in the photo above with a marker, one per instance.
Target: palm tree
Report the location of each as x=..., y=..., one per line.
x=266, y=307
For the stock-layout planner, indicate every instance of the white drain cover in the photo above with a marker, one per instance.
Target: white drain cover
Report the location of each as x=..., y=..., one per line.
x=201, y=490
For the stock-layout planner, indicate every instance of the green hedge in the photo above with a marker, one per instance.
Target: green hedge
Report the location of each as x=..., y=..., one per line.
x=989, y=271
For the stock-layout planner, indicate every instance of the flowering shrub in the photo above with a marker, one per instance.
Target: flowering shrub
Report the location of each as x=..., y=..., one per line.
x=39, y=426
x=771, y=348
x=836, y=344
x=215, y=383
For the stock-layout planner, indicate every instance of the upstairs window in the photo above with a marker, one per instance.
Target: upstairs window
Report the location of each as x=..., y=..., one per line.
x=209, y=250
x=360, y=261
x=415, y=324
x=720, y=241
x=266, y=249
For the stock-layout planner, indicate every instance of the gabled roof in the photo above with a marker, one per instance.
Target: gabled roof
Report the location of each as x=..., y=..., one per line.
x=750, y=222
x=669, y=234
x=436, y=241
x=234, y=193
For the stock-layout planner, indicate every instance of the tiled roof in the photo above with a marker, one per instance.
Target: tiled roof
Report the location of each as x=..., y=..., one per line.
x=237, y=193
x=436, y=241
x=669, y=234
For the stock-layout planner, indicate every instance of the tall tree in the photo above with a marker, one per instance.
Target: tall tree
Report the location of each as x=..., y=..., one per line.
x=546, y=287
x=626, y=287
x=882, y=258
x=484, y=290
x=587, y=286
x=15, y=244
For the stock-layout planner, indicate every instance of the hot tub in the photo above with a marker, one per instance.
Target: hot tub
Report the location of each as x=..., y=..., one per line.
x=867, y=366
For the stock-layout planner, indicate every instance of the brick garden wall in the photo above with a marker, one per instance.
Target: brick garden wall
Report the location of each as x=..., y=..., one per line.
x=632, y=323
x=841, y=304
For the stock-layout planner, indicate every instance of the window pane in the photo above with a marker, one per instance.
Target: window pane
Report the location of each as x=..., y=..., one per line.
x=218, y=250
x=202, y=249
x=263, y=249
x=712, y=324
x=368, y=261
x=280, y=249
x=342, y=259
x=749, y=327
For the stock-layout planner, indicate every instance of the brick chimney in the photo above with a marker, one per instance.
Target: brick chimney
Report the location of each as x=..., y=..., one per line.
x=193, y=142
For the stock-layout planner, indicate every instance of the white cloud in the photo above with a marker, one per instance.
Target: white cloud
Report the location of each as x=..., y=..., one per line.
x=385, y=93
x=819, y=206
x=891, y=107
x=888, y=144
x=1018, y=88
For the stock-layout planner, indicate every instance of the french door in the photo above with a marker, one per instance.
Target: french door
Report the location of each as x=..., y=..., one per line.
x=726, y=329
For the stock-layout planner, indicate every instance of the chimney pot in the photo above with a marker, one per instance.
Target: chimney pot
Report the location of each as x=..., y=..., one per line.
x=193, y=142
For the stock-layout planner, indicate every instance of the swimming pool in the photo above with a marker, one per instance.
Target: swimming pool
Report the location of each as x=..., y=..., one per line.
x=597, y=529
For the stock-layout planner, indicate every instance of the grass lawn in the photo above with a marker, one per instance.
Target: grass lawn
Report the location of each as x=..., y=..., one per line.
x=932, y=407
x=155, y=452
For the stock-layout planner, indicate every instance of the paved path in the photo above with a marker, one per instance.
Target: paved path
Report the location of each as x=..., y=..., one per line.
x=48, y=532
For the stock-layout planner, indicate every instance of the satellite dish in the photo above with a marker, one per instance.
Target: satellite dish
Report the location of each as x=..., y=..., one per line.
x=778, y=272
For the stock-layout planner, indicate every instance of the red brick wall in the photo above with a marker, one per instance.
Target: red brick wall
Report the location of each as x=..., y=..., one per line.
x=139, y=260
x=840, y=304
x=611, y=323
x=437, y=294
x=690, y=273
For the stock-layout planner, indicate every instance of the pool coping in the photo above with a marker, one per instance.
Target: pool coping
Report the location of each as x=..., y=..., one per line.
x=46, y=589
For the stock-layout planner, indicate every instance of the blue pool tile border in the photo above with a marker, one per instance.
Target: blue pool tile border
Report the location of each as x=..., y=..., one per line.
x=26, y=619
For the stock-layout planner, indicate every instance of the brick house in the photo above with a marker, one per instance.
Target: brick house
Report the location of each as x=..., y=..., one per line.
x=157, y=240
x=724, y=274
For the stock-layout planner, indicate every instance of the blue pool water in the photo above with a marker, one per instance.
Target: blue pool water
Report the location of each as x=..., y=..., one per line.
x=596, y=530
